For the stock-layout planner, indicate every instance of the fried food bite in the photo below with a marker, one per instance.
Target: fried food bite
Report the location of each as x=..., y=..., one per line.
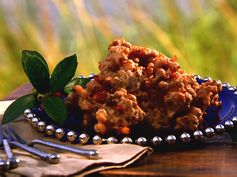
x=139, y=86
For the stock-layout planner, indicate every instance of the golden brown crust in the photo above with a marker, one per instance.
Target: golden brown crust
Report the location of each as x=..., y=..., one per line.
x=137, y=85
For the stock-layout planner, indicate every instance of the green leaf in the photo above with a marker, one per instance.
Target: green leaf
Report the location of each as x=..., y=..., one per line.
x=29, y=53
x=77, y=81
x=36, y=69
x=17, y=107
x=63, y=73
x=55, y=109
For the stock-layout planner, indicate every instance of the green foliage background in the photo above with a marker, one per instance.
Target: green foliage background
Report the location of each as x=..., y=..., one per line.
x=202, y=34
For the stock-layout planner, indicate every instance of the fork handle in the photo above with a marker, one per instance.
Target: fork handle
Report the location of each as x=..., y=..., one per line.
x=7, y=148
x=89, y=153
x=51, y=158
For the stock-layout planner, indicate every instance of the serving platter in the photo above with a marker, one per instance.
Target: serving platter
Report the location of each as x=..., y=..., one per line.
x=217, y=121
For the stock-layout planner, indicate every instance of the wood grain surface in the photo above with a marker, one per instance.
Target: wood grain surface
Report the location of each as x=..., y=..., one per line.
x=208, y=160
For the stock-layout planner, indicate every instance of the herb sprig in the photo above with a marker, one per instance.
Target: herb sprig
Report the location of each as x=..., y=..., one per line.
x=45, y=87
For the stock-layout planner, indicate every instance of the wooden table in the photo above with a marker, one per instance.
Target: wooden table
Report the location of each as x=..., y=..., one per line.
x=210, y=160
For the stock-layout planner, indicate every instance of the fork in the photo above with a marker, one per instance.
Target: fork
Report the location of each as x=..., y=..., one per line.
x=12, y=161
x=89, y=153
x=4, y=164
x=51, y=158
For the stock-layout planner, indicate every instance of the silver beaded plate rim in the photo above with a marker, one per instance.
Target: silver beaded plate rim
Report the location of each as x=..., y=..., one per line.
x=196, y=136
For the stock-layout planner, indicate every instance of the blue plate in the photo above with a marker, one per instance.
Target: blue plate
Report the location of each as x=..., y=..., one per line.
x=228, y=109
x=214, y=116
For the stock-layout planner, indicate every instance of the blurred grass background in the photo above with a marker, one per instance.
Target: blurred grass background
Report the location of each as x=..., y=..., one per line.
x=202, y=34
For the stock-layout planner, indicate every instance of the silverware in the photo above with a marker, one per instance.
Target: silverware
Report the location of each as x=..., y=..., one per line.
x=89, y=153
x=4, y=164
x=10, y=157
x=51, y=158
x=11, y=162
